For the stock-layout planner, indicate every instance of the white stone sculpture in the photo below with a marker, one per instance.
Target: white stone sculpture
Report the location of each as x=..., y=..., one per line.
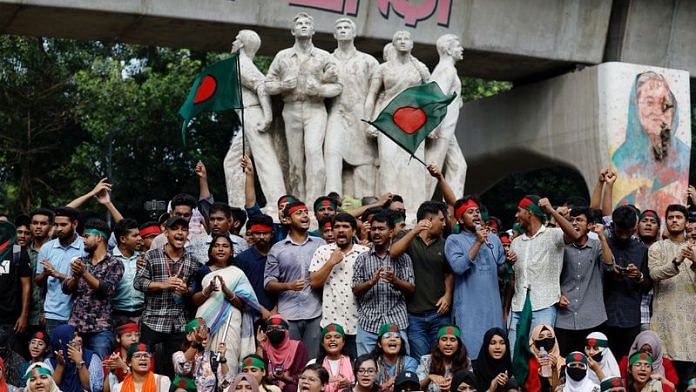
x=397, y=172
x=441, y=147
x=257, y=119
x=346, y=140
x=304, y=76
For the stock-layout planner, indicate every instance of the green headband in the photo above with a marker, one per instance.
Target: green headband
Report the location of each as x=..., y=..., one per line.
x=531, y=204
x=96, y=232
x=640, y=356
x=518, y=228
x=576, y=357
x=184, y=383
x=592, y=342
x=386, y=328
x=333, y=327
x=609, y=383
x=449, y=330
x=137, y=347
x=39, y=369
x=194, y=324
x=251, y=361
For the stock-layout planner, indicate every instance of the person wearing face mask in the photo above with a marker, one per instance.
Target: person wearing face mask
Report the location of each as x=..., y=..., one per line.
x=463, y=381
x=597, y=348
x=544, y=346
x=640, y=367
x=284, y=357
x=493, y=366
x=577, y=376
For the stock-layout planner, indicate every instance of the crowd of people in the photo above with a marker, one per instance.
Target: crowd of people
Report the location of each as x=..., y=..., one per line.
x=212, y=297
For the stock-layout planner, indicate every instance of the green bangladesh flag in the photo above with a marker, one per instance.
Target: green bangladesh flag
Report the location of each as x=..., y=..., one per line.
x=413, y=114
x=521, y=353
x=217, y=88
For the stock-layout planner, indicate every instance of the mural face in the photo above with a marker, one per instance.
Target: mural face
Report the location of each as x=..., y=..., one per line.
x=649, y=139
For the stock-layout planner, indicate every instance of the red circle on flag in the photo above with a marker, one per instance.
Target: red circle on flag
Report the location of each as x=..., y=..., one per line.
x=578, y=357
x=592, y=342
x=409, y=119
x=206, y=89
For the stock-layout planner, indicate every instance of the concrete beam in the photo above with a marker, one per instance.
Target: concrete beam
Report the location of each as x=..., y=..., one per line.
x=504, y=39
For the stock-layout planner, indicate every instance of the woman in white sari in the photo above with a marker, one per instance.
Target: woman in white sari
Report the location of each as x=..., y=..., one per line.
x=222, y=292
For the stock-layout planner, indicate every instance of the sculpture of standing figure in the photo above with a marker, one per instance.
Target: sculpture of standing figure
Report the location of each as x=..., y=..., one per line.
x=396, y=74
x=441, y=147
x=258, y=116
x=345, y=136
x=304, y=76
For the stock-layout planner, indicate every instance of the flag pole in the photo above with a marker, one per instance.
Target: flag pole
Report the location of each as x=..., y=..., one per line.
x=241, y=102
x=413, y=156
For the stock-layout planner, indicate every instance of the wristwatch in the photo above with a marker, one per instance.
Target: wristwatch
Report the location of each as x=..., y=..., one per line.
x=80, y=365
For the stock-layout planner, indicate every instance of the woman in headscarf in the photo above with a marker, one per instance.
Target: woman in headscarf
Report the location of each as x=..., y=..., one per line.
x=493, y=366
x=597, y=348
x=284, y=357
x=577, y=374
x=76, y=368
x=640, y=369
x=141, y=378
x=447, y=357
x=221, y=290
x=649, y=342
x=244, y=382
x=544, y=346
x=334, y=359
x=463, y=381
x=4, y=386
x=39, y=378
x=390, y=355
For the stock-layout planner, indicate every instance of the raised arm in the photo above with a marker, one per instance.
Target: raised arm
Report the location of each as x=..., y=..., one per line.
x=596, y=198
x=610, y=179
x=570, y=234
x=443, y=185
x=249, y=187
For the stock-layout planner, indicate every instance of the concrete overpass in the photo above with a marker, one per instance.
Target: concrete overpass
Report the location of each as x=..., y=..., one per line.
x=554, y=115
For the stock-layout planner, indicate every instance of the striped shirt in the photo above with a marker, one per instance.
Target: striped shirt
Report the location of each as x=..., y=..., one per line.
x=383, y=302
x=163, y=312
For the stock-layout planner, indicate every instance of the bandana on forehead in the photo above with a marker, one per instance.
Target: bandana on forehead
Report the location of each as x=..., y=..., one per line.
x=649, y=213
x=40, y=335
x=451, y=330
x=576, y=357
x=36, y=371
x=327, y=225
x=593, y=342
x=250, y=361
x=277, y=320
x=333, y=327
x=286, y=199
x=149, y=230
x=465, y=206
x=296, y=208
x=387, y=327
x=260, y=228
x=126, y=328
x=137, y=348
x=194, y=324
x=530, y=203
x=505, y=239
x=97, y=233
x=609, y=383
x=493, y=223
x=640, y=356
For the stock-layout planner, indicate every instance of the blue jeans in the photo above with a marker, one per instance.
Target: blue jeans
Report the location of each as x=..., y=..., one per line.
x=52, y=324
x=541, y=316
x=100, y=342
x=366, y=341
x=422, y=332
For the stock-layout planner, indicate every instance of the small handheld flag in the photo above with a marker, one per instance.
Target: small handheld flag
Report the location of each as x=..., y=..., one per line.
x=215, y=89
x=412, y=115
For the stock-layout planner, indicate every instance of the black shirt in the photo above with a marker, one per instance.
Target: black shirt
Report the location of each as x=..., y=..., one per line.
x=622, y=295
x=14, y=268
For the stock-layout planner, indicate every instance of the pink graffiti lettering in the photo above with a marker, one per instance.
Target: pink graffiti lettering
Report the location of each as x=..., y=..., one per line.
x=347, y=7
x=414, y=13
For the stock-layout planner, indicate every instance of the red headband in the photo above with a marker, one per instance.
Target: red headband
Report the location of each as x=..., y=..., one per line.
x=465, y=206
x=327, y=225
x=260, y=228
x=128, y=327
x=145, y=231
x=493, y=223
x=296, y=208
x=525, y=202
x=505, y=240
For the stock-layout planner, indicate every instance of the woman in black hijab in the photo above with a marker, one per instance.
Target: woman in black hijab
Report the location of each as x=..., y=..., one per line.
x=493, y=365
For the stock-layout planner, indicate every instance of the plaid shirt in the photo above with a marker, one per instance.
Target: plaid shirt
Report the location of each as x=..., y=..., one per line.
x=91, y=309
x=163, y=313
x=383, y=302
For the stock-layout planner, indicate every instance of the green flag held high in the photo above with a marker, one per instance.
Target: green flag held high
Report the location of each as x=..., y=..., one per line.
x=217, y=88
x=413, y=114
x=521, y=353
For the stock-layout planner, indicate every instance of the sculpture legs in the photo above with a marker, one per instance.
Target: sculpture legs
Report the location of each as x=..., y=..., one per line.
x=455, y=167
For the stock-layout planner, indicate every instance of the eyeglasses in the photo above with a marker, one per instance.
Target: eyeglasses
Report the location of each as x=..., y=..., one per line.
x=390, y=335
x=367, y=371
x=642, y=365
x=142, y=355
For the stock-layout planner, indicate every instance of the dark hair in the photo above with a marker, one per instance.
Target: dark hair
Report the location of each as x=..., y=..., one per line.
x=68, y=212
x=334, y=196
x=22, y=220
x=98, y=224
x=466, y=199
x=384, y=217
x=220, y=207
x=348, y=218
x=460, y=359
x=265, y=380
x=288, y=206
x=122, y=227
x=397, y=198
x=147, y=224
x=212, y=243
x=597, y=215
x=321, y=372
x=322, y=351
x=677, y=208
x=323, y=221
x=427, y=208
x=359, y=361
x=582, y=211
x=261, y=219
x=371, y=211
x=183, y=199
x=378, y=351
x=238, y=215
x=45, y=212
x=624, y=217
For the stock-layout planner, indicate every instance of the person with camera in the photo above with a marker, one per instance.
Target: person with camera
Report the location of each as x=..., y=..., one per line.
x=581, y=308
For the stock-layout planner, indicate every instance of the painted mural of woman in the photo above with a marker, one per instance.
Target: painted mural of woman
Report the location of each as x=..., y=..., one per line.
x=652, y=163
